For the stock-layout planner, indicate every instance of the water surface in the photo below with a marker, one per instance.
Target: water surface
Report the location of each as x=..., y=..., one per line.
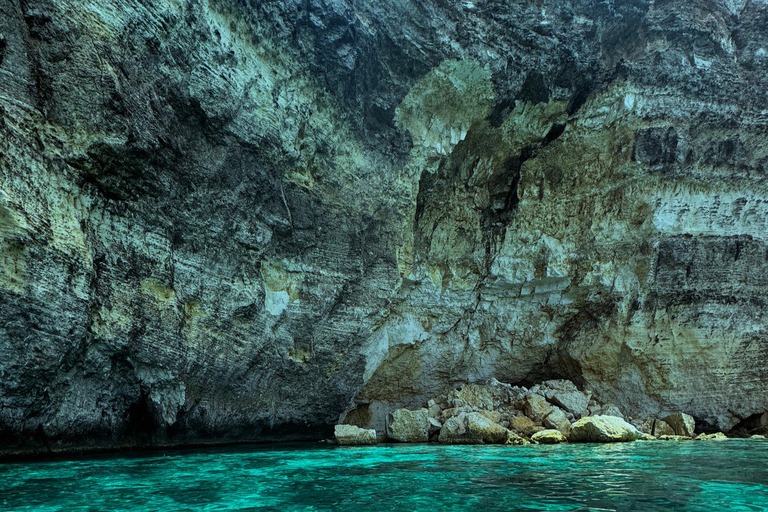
x=642, y=476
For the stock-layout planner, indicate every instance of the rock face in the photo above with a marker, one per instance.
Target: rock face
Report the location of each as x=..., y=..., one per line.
x=603, y=429
x=242, y=220
x=350, y=435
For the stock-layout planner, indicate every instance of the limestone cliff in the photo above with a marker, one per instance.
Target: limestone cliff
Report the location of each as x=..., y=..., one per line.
x=246, y=220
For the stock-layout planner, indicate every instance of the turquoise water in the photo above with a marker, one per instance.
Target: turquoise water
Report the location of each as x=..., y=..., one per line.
x=691, y=476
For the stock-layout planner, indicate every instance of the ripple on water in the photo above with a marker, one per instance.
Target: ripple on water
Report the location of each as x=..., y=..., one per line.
x=693, y=476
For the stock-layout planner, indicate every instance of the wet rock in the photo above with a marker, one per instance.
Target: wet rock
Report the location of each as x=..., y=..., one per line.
x=682, y=424
x=348, y=435
x=407, y=426
x=674, y=438
x=514, y=439
x=550, y=436
x=602, y=429
x=647, y=437
x=757, y=437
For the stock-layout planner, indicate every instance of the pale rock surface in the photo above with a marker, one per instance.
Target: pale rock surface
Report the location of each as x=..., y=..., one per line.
x=567, y=396
x=474, y=428
x=602, y=429
x=550, y=436
x=556, y=419
x=407, y=426
x=682, y=424
x=350, y=435
x=717, y=436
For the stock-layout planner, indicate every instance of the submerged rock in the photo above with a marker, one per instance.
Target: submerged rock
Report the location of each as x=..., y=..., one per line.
x=352, y=435
x=674, y=438
x=550, y=436
x=603, y=429
x=407, y=426
x=717, y=436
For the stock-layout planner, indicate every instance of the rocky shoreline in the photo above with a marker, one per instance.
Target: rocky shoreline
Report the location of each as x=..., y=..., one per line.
x=551, y=412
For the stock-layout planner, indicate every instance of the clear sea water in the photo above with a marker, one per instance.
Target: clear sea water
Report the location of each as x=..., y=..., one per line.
x=641, y=476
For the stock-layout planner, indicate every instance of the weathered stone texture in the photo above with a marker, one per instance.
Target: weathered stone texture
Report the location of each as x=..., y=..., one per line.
x=242, y=220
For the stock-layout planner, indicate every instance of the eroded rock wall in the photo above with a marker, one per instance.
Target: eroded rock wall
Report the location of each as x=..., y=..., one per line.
x=236, y=220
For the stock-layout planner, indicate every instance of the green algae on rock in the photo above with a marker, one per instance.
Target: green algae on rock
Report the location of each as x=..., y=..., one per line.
x=249, y=221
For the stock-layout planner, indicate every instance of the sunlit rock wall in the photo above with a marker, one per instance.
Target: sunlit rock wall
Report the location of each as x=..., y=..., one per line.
x=239, y=220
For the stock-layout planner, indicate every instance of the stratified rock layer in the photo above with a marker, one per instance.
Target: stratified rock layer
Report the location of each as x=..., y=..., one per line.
x=243, y=220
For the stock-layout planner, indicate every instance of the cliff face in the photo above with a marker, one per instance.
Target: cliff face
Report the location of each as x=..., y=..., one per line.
x=245, y=220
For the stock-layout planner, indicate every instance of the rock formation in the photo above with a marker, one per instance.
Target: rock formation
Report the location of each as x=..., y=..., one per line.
x=240, y=220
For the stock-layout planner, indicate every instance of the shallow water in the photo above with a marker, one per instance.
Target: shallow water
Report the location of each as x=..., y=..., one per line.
x=691, y=476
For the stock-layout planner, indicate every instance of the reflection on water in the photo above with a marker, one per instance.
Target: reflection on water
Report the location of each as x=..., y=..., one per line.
x=690, y=476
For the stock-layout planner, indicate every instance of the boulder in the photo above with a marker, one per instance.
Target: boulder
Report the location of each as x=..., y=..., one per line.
x=565, y=394
x=557, y=420
x=550, y=436
x=434, y=426
x=646, y=426
x=718, y=436
x=647, y=437
x=433, y=409
x=515, y=439
x=602, y=429
x=407, y=426
x=662, y=428
x=536, y=407
x=757, y=436
x=494, y=416
x=522, y=424
x=454, y=411
x=352, y=435
x=490, y=396
x=611, y=410
x=474, y=428
x=683, y=424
